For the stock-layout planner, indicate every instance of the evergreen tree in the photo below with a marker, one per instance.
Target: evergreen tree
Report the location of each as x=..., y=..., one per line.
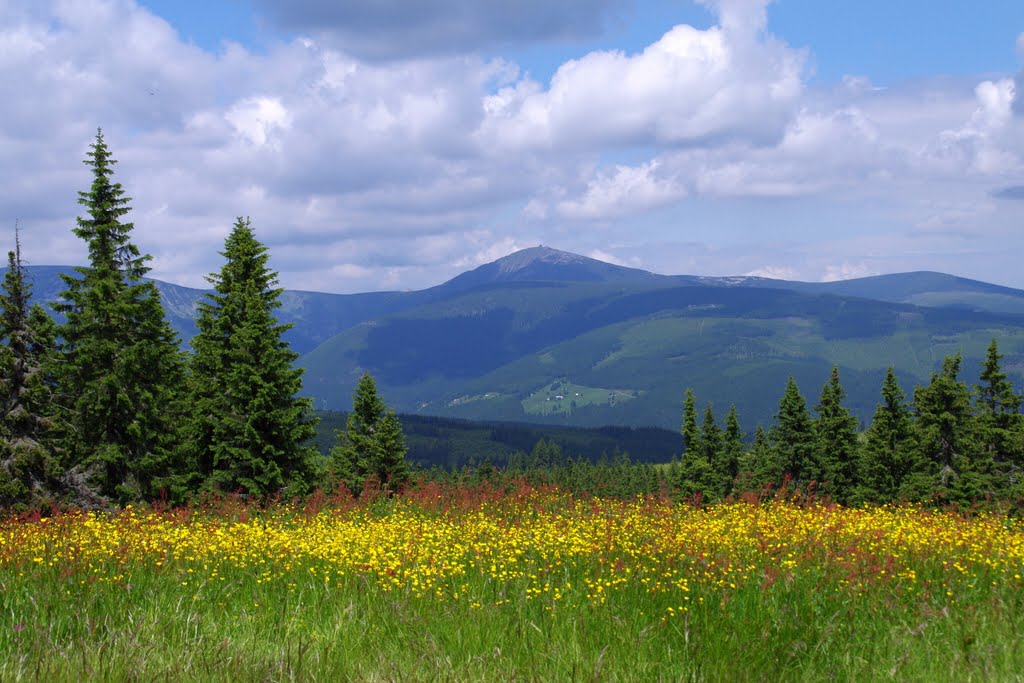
x=696, y=475
x=249, y=429
x=889, y=447
x=757, y=464
x=999, y=419
x=690, y=430
x=946, y=435
x=121, y=366
x=728, y=464
x=711, y=450
x=372, y=443
x=835, y=430
x=792, y=438
x=29, y=469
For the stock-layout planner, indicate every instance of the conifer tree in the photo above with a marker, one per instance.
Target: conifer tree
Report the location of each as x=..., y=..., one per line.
x=889, y=446
x=120, y=363
x=711, y=450
x=835, y=431
x=696, y=474
x=757, y=464
x=792, y=437
x=999, y=419
x=946, y=435
x=29, y=468
x=249, y=430
x=690, y=430
x=372, y=443
x=728, y=463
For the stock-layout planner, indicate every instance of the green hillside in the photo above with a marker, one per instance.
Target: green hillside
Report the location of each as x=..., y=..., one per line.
x=619, y=345
x=629, y=350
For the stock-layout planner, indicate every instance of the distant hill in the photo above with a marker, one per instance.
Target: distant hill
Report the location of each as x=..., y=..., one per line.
x=922, y=288
x=453, y=443
x=611, y=353
x=544, y=264
x=548, y=336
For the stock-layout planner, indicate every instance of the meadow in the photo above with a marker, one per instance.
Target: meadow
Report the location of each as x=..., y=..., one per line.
x=522, y=583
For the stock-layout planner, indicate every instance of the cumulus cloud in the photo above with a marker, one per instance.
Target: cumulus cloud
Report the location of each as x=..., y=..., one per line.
x=846, y=271
x=774, y=272
x=622, y=191
x=364, y=173
x=689, y=87
x=394, y=29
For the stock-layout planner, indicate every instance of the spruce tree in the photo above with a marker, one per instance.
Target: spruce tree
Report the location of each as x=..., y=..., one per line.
x=29, y=468
x=728, y=463
x=757, y=464
x=121, y=367
x=792, y=438
x=835, y=447
x=249, y=431
x=888, y=452
x=696, y=475
x=373, y=443
x=999, y=420
x=711, y=449
x=690, y=430
x=946, y=435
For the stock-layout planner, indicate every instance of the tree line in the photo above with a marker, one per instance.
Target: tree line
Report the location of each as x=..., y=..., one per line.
x=107, y=409
x=948, y=443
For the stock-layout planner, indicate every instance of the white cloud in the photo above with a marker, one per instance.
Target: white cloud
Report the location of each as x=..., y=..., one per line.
x=256, y=118
x=774, y=273
x=623, y=191
x=846, y=271
x=691, y=85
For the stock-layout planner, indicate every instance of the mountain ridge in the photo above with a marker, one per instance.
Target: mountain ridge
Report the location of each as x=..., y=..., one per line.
x=557, y=337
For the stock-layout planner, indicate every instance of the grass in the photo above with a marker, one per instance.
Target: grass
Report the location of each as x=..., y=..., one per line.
x=479, y=584
x=562, y=396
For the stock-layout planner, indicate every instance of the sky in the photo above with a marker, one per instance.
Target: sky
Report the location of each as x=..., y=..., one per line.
x=389, y=145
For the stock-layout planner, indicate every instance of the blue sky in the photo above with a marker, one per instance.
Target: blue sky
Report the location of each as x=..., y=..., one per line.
x=390, y=145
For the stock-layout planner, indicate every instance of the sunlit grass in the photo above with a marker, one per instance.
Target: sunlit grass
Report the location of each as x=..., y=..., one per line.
x=483, y=584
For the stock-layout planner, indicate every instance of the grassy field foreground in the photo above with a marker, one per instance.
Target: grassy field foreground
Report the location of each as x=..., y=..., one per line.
x=477, y=584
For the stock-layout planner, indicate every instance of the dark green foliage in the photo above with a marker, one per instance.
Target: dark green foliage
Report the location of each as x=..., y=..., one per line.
x=947, y=436
x=120, y=368
x=999, y=420
x=29, y=469
x=711, y=450
x=696, y=473
x=727, y=465
x=690, y=430
x=835, y=446
x=758, y=464
x=248, y=428
x=792, y=439
x=889, y=447
x=371, y=445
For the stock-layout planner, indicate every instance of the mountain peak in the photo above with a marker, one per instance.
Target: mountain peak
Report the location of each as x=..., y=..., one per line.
x=524, y=258
x=544, y=264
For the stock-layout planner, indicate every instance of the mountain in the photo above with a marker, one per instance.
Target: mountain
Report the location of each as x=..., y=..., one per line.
x=922, y=288
x=548, y=336
x=544, y=264
x=622, y=353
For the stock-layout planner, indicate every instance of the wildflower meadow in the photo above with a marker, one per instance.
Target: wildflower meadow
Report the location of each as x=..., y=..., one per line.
x=513, y=583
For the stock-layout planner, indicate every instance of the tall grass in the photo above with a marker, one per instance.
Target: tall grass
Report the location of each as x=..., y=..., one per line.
x=480, y=584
